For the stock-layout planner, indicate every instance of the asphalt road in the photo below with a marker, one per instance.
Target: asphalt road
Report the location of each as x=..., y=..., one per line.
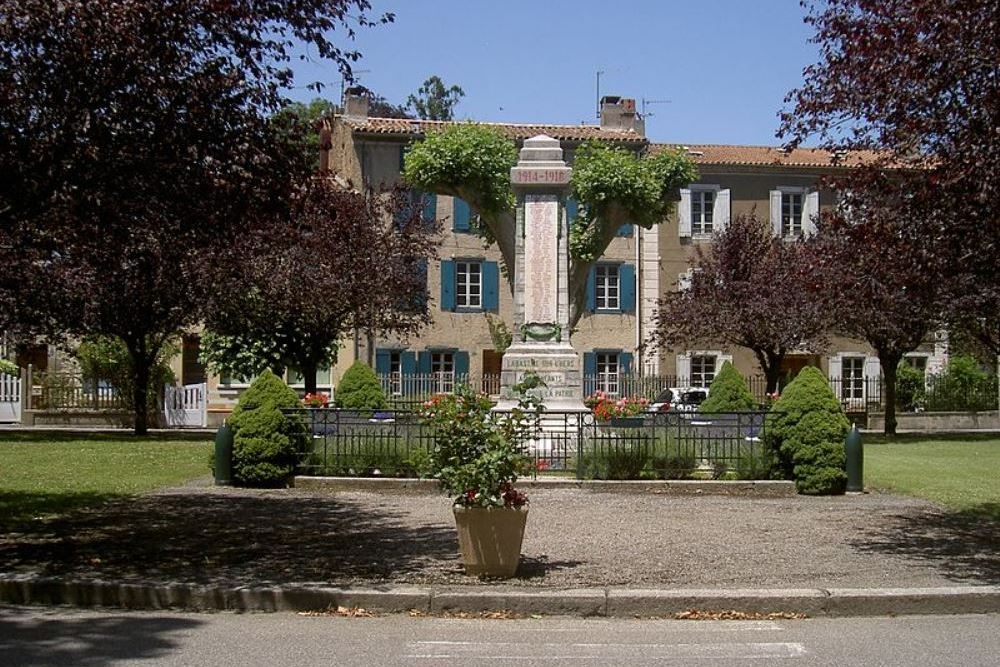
x=36, y=636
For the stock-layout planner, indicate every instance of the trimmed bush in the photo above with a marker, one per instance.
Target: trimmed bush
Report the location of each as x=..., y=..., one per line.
x=909, y=388
x=266, y=443
x=728, y=393
x=805, y=432
x=616, y=463
x=360, y=389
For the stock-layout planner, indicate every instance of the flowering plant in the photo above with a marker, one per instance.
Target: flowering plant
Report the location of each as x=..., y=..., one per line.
x=317, y=400
x=476, y=453
x=607, y=407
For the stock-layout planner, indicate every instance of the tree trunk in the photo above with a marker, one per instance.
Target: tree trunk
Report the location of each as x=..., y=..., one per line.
x=889, y=364
x=770, y=363
x=141, y=363
x=309, y=377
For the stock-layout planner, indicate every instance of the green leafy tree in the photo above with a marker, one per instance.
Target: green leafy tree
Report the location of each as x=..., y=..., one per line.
x=360, y=389
x=266, y=442
x=106, y=358
x=909, y=387
x=612, y=185
x=805, y=433
x=9, y=367
x=728, y=393
x=434, y=100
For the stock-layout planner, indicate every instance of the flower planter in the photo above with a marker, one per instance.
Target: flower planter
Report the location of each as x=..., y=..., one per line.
x=490, y=539
x=627, y=422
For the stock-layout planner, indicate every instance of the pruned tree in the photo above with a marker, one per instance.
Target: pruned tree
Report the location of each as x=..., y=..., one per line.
x=301, y=281
x=750, y=289
x=612, y=186
x=434, y=100
x=136, y=139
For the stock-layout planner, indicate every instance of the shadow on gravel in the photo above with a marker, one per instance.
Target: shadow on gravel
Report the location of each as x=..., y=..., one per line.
x=962, y=546
x=85, y=641
x=538, y=567
x=230, y=538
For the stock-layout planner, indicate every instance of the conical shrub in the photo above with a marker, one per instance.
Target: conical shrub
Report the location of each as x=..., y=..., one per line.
x=360, y=389
x=266, y=442
x=728, y=393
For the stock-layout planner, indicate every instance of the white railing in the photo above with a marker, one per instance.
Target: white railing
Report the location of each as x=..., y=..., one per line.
x=10, y=398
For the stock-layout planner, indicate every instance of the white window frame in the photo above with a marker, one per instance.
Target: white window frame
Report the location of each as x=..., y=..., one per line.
x=395, y=372
x=852, y=380
x=443, y=371
x=607, y=287
x=469, y=284
x=788, y=232
x=700, y=377
x=698, y=225
x=608, y=369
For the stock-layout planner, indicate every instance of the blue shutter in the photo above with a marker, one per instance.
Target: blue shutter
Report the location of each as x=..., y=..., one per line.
x=589, y=373
x=592, y=289
x=461, y=364
x=571, y=211
x=428, y=201
x=625, y=230
x=625, y=362
x=408, y=362
x=626, y=287
x=424, y=362
x=461, y=216
x=383, y=362
x=447, y=285
x=491, y=287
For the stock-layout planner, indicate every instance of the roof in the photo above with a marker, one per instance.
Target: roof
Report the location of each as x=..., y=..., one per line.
x=723, y=154
x=405, y=127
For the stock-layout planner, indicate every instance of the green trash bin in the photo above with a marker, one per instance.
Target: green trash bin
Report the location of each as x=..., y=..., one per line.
x=224, y=456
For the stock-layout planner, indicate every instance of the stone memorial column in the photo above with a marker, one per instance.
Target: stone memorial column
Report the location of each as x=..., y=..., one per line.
x=541, y=182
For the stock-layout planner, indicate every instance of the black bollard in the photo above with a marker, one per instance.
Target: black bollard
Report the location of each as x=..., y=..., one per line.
x=224, y=456
x=855, y=461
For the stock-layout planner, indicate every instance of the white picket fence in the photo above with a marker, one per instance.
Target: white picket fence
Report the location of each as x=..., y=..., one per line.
x=186, y=406
x=10, y=398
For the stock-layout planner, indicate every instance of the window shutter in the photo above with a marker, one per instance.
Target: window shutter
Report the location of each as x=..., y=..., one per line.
x=872, y=372
x=571, y=211
x=382, y=362
x=836, y=368
x=424, y=362
x=408, y=362
x=625, y=230
x=684, y=213
x=810, y=211
x=461, y=364
x=447, y=284
x=592, y=289
x=776, y=212
x=429, y=202
x=625, y=362
x=683, y=370
x=491, y=287
x=720, y=212
x=460, y=216
x=589, y=372
x=626, y=288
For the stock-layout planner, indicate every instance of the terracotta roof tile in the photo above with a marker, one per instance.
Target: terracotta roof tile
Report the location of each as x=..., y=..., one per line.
x=402, y=126
x=768, y=155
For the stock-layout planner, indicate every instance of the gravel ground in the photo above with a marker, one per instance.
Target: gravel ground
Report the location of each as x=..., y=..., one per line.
x=574, y=538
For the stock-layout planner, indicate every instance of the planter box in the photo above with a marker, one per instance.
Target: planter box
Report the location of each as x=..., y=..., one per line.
x=627, y=422
x=490, y=539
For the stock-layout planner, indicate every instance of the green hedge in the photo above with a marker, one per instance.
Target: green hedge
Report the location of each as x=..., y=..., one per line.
x=266, y=443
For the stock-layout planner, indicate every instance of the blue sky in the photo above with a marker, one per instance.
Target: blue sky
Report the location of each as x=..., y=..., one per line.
x=725, y=65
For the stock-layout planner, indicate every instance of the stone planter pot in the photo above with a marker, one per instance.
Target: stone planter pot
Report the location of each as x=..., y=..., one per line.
x=490, y=539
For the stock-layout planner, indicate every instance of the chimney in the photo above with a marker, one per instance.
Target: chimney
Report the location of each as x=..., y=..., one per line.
x=618, y=113
x=356, y=103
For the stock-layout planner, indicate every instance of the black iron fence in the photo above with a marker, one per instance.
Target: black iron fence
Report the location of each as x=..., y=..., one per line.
x=650, y=446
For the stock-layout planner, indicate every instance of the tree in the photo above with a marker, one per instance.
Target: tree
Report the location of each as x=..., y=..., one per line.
x=136, y=139
x=434, y=101
x=335, y=261
x=753, y=290
x=873, y=254
x=612, y=185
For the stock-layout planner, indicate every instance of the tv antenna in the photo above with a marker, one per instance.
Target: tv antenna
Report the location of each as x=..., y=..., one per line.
x=646, y=102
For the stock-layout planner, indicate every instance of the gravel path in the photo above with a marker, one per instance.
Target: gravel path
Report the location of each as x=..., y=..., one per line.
x=574, y=538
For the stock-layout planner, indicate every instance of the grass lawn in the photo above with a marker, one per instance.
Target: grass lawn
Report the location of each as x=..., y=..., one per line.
x=42, y=475
x=963, y=474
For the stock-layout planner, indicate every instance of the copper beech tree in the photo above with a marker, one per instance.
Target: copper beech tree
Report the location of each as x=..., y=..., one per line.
x=749, y=289
x=337, y=261
x=136, y=140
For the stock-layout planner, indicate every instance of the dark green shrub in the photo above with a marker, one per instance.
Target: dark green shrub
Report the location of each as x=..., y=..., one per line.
x=616, y=463
x=728, y=393
x=805, y=431
x=360, y=389
x=962, y=386
x=266, y=443
x=674, y=466
x=752, y=465
x=909, y=388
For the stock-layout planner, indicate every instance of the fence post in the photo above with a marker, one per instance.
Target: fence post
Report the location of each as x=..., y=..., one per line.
x=579, y=443
x=28, y=383
x=854, y=453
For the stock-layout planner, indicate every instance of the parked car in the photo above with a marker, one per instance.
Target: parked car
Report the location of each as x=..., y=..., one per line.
x=678, y=399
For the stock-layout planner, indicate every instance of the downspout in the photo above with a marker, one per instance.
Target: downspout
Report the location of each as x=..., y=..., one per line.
x=639, y=350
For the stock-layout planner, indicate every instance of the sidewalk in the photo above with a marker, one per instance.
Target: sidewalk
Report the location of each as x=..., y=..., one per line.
x=584, y=553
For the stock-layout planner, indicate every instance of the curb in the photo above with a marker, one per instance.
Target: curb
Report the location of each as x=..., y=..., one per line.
x=754, y=488
x=584, y=602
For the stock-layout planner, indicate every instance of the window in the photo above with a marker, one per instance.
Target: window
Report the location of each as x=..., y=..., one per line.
x=791, y=213
x=918, y=362
x=702, y=370
x=443, y=371
x=852, y=379
x=608, y=287
x=702, y=208
x=607, y=372
x=395, y=373
x=468, y=284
